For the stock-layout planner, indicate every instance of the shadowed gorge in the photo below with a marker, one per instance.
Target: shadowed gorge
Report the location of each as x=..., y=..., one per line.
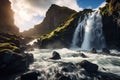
x=7, y=18
x=13, y=59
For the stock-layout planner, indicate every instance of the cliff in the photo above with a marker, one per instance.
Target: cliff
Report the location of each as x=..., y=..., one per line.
x=55, y=16
x=111, y=23
x=7, y=18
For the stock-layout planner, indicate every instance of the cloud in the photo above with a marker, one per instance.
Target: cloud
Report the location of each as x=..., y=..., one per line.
x=30, y=12
x=69, y=3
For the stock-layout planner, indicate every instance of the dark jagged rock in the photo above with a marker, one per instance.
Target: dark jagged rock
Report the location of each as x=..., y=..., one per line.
x=83, y=55
x=63, y=78
x=88, y=66
x=55, y=16
x=29, y=57
x=59, y=76
x=55, y=56
x=93, y=50
x=11, y=63
x=7, y=18
x=68, y=67
x=30, y=75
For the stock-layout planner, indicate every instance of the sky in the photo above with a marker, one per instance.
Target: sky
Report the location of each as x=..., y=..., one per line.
x=28, y=13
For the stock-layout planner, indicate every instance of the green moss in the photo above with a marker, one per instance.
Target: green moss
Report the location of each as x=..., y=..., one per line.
x=5, y=50
x=110, y=8
x=8, y=46
x=58, y=29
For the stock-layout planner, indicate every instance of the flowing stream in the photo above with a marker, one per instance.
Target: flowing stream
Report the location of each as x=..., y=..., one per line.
x=49, y=68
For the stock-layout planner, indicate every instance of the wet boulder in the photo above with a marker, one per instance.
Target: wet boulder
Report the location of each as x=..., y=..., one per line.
x=80, y=55
x=63, y=78
x=88, y=66
x=93, y=50
x=68, y=67
x=105, y=50
x=30, y=75
x=83, y=55
x=29, y=57
x=11, y=62
x=60, y=76
x=55, y=56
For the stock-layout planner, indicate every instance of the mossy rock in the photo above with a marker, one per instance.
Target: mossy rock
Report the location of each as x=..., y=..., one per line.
x=5, y=50
x=9, y=47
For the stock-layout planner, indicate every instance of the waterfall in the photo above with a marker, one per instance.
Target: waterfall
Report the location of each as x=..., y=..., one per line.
x=90, y=31
x=78, y=35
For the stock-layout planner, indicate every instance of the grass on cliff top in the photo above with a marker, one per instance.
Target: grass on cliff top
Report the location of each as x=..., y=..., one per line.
x=59, y=28
x=110, y=8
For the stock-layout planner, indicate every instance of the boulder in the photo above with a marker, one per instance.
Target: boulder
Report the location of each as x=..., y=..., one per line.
x=68, y=67
x=63, y=78
x=29, y=57
x=11, y=62
x=88, y=66
x=55, y=56
x=60, y=76
x=30, y=75
x=80, y=55
x=93, y=50
x=83, y=55
x=105, y=50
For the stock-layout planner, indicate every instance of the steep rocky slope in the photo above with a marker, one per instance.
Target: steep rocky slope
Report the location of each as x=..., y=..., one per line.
x=7, y=18
x=111, y=22
x=55, y=16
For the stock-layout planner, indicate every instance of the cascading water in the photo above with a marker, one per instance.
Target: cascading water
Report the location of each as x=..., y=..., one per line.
x=93, y=35
x=79, y=32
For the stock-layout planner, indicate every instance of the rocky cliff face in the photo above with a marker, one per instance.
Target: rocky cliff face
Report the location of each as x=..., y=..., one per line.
x=6, y=17
x=55, y=16
x=111, y=22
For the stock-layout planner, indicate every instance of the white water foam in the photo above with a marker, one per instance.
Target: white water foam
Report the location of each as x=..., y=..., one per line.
x=32, y=42
x=50, y=67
